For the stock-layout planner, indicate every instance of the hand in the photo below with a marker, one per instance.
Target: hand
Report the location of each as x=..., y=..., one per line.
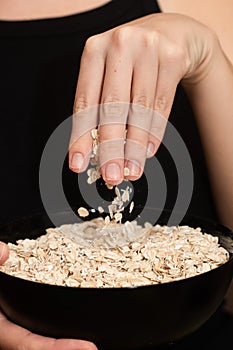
x=14, y=337
x=140, y=62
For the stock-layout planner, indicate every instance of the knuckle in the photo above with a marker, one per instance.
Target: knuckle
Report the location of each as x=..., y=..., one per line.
x=156, y=134
x=92, y=44
x=111, y=111
x=142, y=100
x=161, y=103
x=111, y=99
x=181, y=56
x=150, y=39
x=121, y=36
x=174, y=54
x=73, y=144
x=81, y=102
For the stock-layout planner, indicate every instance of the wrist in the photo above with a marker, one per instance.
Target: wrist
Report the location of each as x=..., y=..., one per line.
x=210, y=56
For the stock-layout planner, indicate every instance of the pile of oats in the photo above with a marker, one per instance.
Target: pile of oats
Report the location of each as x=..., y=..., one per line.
x=85, y=255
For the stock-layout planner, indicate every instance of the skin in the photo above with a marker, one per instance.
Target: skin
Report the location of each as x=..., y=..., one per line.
x=176, y=48
x=34, y=9
x=164, y=50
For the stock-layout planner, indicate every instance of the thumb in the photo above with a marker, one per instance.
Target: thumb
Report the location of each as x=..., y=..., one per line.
x=4, y=252
x=14, y=337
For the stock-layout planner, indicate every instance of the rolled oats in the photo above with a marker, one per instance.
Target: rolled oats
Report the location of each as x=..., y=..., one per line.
x=101, y=210
x=83, y=212
x=131, y=207
x=100, y=254
x=126, y=171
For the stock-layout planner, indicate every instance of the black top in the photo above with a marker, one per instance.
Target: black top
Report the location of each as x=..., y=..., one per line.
x=39, y=65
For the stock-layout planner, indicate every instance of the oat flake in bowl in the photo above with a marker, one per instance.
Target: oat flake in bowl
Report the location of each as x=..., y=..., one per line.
x=93, y=254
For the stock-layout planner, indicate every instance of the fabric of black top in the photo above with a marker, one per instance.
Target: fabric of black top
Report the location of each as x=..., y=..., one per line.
x=39, y=65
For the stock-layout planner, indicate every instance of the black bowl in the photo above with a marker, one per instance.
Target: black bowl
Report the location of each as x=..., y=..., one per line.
x=115, y=318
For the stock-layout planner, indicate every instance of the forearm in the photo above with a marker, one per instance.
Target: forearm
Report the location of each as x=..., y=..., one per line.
x=212, y=101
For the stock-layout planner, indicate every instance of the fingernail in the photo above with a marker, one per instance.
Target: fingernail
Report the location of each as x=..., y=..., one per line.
x=77, y=161
x=134, y=168
x=150, y=149
x=113, y=172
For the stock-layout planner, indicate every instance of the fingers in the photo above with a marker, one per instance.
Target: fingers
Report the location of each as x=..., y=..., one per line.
x=170, y=73
x=4, y=252
x=140, y=114
x=113, y=114
x=147, y=127
x=157, y=130
x=14, y=337
x=137, y=140
x=85, y=115
x=145, y=76
x=81, y=141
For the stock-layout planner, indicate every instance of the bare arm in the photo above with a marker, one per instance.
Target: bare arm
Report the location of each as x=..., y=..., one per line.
x=212, y=98
x=214, y=14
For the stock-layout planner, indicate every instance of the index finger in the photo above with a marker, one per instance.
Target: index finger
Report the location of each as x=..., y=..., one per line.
x=87, y=95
